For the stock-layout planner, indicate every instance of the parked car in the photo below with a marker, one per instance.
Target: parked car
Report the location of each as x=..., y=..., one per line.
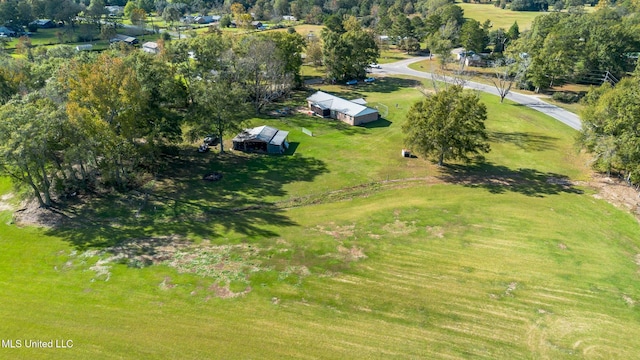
x=375, y=66
x=211, y=140
x=369, y=80
x=352, y=82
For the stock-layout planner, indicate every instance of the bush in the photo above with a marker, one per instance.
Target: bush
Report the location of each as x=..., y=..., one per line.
x=566, y=97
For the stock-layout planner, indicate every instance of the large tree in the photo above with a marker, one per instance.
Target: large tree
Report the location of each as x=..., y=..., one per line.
x=611, y=127
x=347, y=54
x=28, y=138
x=447, y=125
x=473, y=36
x=220, y=106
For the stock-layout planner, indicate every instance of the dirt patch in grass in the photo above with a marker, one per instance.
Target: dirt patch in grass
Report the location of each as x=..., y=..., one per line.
x=224, y=292
x=352, y=254
x=616, y=192
x=338, y=232
x=436, y=231
x=4, y=202
x=628, y=300
x=31, y=213
x=399, y=227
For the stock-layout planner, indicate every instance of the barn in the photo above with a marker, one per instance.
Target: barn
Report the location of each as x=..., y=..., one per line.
x=262, y=139
x=351, y=112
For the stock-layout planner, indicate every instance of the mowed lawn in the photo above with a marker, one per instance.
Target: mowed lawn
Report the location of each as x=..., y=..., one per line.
x=495, y=261
x=500, y=18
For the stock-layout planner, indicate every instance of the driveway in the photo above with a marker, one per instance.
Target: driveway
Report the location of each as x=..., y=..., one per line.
x=566, y=117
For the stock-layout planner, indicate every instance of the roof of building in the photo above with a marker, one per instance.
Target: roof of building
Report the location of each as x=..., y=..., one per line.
x=360, y=101
x=263, y=133
x=150, y=45
x=125, y=38
x=279, y=137
x=328, y=101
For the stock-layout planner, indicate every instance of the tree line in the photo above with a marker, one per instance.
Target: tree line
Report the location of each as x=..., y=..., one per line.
x=85, y=121
x=611, y=127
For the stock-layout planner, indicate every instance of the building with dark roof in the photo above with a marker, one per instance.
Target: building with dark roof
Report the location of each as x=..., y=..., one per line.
x=263, y=139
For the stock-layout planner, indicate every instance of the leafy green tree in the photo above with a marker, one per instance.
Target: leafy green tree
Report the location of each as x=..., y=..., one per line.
x=290, y=46
x=447, y=125
x=263, y=75
x=347, y=55
x=473, y=36
x=610, y=123
x=314, y=52
x=95, y=11
x=106, y=97
x=225, y=21
x=128, y=9
x=514, y=31
x=441, y=42
x=220, y=106
x=27, y=139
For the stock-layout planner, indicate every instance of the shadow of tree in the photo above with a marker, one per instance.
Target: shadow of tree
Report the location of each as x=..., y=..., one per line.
x=384, y=85
x=523, y=140
x=500, y=179
x=181, y=203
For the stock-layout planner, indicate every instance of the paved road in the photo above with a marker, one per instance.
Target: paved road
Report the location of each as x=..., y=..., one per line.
x=566, y=117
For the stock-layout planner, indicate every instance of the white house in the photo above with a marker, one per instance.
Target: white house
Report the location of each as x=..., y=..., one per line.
x=351, y=112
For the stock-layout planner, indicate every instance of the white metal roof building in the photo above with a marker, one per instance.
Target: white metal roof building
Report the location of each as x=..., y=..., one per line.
x=351, y=112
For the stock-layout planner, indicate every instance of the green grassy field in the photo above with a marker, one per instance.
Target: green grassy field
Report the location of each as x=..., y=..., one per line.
x=500, y=18
x=341, y=249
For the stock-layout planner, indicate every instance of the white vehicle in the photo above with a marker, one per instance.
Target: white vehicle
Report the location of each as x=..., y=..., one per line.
x=375, y=66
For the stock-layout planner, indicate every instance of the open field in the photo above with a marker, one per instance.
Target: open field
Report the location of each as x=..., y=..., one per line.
x=341, y=249
x=500, y=18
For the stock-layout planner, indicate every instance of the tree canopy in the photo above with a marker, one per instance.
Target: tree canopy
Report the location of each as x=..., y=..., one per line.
x=611, y=127
x=447, y=125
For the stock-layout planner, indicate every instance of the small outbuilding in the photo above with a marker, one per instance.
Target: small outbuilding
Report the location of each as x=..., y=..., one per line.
x=124, y=38
x=151, y=47
x=44, y=24
x=351, y=112
x=262, y=139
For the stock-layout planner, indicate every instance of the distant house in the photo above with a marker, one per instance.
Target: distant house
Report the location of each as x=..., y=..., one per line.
x=256, y=24
x=115, y=10
x=263, y=139
x=351, y=112
x=124, y=38
x=188, y=19
x=151, y=47
x=206, y=19
x=44, y=24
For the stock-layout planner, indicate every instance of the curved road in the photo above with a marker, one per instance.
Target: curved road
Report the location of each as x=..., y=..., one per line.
x=566, y=117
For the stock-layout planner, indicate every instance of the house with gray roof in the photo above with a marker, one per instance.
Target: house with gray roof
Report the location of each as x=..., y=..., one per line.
x=351, y=112
x=263, y=139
